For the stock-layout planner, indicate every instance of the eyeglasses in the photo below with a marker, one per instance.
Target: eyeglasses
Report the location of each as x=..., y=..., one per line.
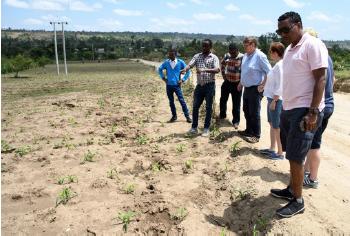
x=285, y=30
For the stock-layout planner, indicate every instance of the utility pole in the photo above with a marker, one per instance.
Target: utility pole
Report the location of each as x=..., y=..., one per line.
x=64, y=46
x=56, y=54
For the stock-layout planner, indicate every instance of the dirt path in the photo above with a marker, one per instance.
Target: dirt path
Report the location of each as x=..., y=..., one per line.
x=328, y=208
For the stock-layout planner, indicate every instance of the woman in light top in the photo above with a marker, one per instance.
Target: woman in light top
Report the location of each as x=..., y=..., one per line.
x=273, y=92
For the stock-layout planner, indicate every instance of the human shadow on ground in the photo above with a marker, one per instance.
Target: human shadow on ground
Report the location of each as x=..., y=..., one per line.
x=268, y=175
x=248, y=216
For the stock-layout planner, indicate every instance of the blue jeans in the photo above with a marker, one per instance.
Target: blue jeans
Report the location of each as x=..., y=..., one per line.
x=170, y=90
x=228, y=88
x=206, y=92
x=251, y=108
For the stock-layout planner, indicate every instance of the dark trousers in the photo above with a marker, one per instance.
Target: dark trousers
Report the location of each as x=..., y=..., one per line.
x=170, y=90
x=206, y=92
x=228, y=88
x=251, y=108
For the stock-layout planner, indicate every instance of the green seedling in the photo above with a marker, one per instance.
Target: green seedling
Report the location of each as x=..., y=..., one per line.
x=235, y=148
x=180, y=148
x=5, y=147
x=240, y=194
x=89, y=141
x=180, y=214
x=114, y=128
x=141, y=139
x=89, y=156
x=255, y=231
x=60, y=180
x=215, y=132
x=189, y=164
x=64, y=196
x=113, y=174
x=126, y=218
x=223, y=232
x=129, y=188
x=101, y=103
x=156, y=167
x=72, y=121
x=72, y=179
x=261, y=223
x=21, y=151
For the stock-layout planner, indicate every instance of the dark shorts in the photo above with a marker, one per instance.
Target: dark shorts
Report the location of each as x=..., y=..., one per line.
x=316, y=142
x=273, y=117
x=295, y=142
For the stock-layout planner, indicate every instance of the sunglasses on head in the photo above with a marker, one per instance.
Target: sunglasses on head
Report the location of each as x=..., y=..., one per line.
x=285, y=30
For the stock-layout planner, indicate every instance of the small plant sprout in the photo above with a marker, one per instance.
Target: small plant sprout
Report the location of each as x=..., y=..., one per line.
x=215, y=132
x=255, y=231
x=126, y=218
x=72, y=179
x=180, y=214
x=21, y=151
x=72, y=121
x=114, y=128
x=112, y=174
x=129, y=188
x=180, y=148
x=5, y=147
x=101, y=103
x=89, y=156
x=189, y=164
x=223, y=232
x=261, y=223
x=155, y=167
x=141, y=139
x=60, y=180
x=239, y=194
x=64, y=196
x=234, y=149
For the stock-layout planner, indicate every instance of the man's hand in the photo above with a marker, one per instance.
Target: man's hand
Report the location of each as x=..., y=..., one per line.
x=261, y=88
x=310, y=121
x=200, y=70
x=272, y=106
x=180, y=82
x=239, y=87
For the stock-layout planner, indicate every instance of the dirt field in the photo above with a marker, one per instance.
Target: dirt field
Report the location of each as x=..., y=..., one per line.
x=78, y=153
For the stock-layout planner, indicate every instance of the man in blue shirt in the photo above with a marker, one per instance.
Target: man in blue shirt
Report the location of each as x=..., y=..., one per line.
x=173, y=81
x=254, y=69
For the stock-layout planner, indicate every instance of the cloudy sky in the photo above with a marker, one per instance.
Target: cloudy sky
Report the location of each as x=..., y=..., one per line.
x=239, y=17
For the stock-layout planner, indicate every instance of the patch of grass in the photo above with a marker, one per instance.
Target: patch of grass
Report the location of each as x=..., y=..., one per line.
x=239, y=194
x=126, y=218
x=23, y=150
x=64, y=196
x=61, y=180
x=156, y=167
x=72, y=121
x=67, y=179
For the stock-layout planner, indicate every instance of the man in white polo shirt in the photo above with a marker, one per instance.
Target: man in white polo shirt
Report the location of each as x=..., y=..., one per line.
x=305, y=63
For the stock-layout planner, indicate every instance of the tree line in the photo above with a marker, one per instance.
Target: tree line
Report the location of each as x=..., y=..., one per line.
x=25, y=51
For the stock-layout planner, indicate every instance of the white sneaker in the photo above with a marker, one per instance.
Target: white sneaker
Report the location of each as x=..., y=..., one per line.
x=193, y=131
x=205, y=133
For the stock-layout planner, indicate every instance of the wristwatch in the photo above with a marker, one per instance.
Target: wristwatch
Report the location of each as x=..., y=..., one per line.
x=314, y=110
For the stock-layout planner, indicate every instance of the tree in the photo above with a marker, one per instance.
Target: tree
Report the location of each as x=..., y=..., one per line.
x=20, y=63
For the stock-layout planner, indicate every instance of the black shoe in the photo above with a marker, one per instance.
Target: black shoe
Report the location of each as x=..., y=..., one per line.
x=173, y=119
x=291, y=209
x=282, y=193
x=244, y=133
x=188, y=119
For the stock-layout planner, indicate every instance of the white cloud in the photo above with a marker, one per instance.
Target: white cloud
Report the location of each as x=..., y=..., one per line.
x=198, y=2
x=175, y=5
x=112, y=1
x=208, y=16
x=17, y=3
x=294, y=3
x=254, y=20
x=81, y=6
x=32, y=21
x=231, y=7
x=319, y=16
x=123, y=12
x=109, y=24
x=47, y=5
x=55, y=18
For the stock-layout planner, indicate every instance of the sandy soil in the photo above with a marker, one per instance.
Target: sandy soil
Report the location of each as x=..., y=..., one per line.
x=217, y=192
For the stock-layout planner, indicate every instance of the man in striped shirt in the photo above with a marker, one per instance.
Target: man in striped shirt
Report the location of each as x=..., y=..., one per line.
x=231, y=73
x=207, y=65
